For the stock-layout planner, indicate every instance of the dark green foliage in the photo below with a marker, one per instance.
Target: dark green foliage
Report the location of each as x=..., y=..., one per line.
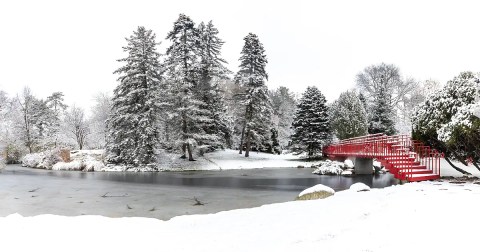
x=311, y=123
x=382, y=115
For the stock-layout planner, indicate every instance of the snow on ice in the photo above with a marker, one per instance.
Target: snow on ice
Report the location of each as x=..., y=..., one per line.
x=420, y=215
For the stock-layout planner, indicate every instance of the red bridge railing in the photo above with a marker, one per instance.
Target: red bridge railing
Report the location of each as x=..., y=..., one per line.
x=399, y=153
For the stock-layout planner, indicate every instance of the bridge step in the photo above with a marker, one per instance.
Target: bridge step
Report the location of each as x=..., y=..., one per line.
x=416, y=171
x=422, y=177
x=404, y=162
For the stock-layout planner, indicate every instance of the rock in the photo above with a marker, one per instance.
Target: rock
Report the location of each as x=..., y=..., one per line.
x=347, y=173
x=348, y=164
x=316, y=192
x=300, y=166
x=359, y=187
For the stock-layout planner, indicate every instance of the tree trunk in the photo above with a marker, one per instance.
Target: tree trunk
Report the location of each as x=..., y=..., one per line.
x=241, y=139
x=476, y=165
x=190, y=155
x=184, y=150
x=184, y=131
x=248, y=143
x=459, y=159
x=457, y=168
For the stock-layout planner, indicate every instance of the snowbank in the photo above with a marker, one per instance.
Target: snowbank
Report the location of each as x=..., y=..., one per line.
x=348, y=221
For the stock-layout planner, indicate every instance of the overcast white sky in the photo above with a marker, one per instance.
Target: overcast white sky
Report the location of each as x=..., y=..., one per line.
x=72, y=46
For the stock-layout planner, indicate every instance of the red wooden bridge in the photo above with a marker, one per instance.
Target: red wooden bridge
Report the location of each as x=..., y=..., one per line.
x=405, y=158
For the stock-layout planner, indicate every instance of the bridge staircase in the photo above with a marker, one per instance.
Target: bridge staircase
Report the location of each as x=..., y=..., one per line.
x=405, y=158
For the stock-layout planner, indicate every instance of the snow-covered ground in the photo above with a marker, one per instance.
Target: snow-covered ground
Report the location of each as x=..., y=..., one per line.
x=426, y=216
x=447, y=170
x=230, y=159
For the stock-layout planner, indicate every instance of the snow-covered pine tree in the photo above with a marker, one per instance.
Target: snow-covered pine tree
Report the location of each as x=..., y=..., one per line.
x=311, y=123
x=256, y=121
x=348, y=116
x=132, y=124
x=57, y=105
x=212, y=72
x=284, y=105
x=382, y=114
x=183, y=67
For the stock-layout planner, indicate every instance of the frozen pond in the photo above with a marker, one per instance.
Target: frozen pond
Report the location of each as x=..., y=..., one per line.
x=160, y=195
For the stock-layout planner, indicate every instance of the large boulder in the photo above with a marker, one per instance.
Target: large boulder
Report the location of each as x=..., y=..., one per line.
x=316, y=192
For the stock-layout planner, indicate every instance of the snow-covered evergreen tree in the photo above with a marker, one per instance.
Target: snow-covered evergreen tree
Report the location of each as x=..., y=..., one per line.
x=56, y=104
x=446, y=119
x=284, y=105
x=132, y=124
x=348, y=116
x=212, y=72
x=382, y=115
x=311, y=123
x=188, y=111
x=251, y=76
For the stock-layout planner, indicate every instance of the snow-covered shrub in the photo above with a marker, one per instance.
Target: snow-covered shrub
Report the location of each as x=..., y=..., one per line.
x=359, y=187
x=32, y=160
x=42, y=160
x=75, y=165
x=330, y=168
x=93, y=165
x=14, y=154
x=316, y=192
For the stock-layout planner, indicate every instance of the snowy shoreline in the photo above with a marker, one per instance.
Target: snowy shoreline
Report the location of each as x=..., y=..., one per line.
x=347, y=221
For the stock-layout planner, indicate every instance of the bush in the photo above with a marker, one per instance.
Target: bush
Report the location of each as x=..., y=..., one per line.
x=43, y=160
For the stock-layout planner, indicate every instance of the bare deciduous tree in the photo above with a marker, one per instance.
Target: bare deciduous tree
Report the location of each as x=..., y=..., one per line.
x=76, y=125
x=373, y=77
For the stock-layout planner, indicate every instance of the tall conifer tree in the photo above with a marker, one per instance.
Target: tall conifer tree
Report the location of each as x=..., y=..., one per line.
x=258, y=109
x=311, y=123
x=132, y=124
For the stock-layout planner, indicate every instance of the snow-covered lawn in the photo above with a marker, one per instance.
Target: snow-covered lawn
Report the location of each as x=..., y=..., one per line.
x=230, y=159
x=426, y=216
x=447, y=170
